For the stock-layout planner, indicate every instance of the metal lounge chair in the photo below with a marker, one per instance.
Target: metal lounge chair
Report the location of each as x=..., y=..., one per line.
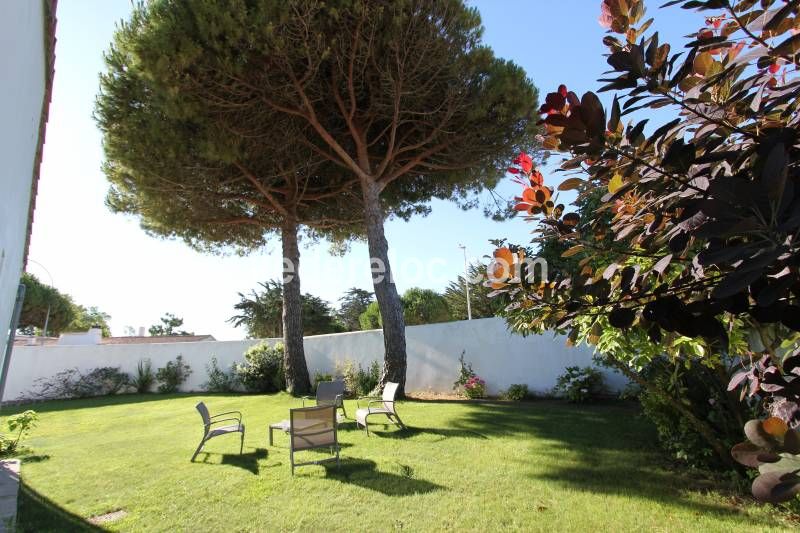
x=329, y=393
x=386, y=406
x=210, y=432
x=312, y=428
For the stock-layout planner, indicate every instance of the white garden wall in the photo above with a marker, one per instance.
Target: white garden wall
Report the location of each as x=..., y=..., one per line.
x=498, y=356
x=22, y=90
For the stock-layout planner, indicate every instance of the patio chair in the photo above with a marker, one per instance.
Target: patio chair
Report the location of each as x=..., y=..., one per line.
x=329, y=393
x=312, y=428
x=385, y=405
x=209, y=421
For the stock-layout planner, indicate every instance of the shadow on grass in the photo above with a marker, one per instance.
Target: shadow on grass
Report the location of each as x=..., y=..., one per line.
x=36, y=513
x=247, y=461
x=47, y=406
x=393, y=432
x=602, y=449
x=363, y=473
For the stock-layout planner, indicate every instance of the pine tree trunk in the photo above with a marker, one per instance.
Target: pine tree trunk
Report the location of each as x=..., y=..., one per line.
x=294, y=357
x=394, y=326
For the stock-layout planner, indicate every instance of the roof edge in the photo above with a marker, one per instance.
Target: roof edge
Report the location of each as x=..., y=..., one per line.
x=49, y=73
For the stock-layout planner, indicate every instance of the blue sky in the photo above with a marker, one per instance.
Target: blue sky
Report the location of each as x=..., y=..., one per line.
x=105, y=260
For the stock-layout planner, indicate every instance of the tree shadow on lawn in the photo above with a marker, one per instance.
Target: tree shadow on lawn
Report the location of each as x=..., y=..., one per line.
x=49, y=406
x=391, y=431
x=602, y=449
x=363, y=473
x=37, y=513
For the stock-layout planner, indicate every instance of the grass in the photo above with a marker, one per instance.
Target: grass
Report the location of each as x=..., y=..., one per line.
x=541, y=466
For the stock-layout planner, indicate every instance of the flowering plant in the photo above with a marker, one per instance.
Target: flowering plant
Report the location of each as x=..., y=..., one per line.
x=475, y=387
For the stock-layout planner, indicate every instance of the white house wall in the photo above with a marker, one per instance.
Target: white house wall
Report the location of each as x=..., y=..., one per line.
x=498, y=356
x=22, y=90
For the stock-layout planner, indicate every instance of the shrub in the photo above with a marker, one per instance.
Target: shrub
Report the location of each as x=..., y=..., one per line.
x=321, y=376
x=580, y=384
x=367, y=379
x=72, y=383
x=348, y=372
x=357, y=380
x=475, y=388
x=172, y=375
x=465, y=373
x=218, y=379
x=703, y=391
x=144, y=378
x=21, y=424
x=517, y=392
x=262, y=370
x=631, y=392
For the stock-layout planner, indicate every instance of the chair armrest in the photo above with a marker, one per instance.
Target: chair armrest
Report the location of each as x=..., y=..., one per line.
x=369, y=399
x=379, y=401
x=228, y=413
x=304, y=398
x=239, y=420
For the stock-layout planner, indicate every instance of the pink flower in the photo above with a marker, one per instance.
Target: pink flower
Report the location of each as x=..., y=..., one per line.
x=524, y=161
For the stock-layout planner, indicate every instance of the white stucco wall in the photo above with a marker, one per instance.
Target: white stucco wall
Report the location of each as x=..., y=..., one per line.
x=22, y=89
x=433, y=351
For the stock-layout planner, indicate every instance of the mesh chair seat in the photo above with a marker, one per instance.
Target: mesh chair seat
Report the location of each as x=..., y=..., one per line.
x=385, y=406
x=235, y=428
x=361, y=414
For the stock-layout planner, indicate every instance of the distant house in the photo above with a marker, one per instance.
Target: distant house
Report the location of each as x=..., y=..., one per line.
x=94, y=337
x=27, y=52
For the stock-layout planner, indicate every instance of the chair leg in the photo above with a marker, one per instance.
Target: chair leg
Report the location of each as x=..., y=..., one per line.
x=399, y=422
x=344, y=411
x=199, y=447
x=291, y=459
x=241, y=446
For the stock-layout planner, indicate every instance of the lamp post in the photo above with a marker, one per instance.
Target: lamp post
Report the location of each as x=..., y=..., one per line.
x=52, y=286
x=466, y=282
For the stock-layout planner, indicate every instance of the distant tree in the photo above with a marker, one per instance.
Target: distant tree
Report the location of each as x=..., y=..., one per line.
x=319, y=317
x=87, y=318
x=481, y=305
x=424, y=306
x=371, y=317
x=168, y=327
x=420, y=306
x=260, y=313
x=352, y=305
x=38, y=299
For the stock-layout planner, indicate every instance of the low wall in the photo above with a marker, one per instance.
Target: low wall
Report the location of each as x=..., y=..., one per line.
x=498, y=356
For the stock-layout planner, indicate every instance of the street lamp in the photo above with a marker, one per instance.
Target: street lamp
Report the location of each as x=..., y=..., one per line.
x=466, y=282
x=52, y=286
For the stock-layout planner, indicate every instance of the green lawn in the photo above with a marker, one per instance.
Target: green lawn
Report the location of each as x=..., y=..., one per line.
x=541, y=466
